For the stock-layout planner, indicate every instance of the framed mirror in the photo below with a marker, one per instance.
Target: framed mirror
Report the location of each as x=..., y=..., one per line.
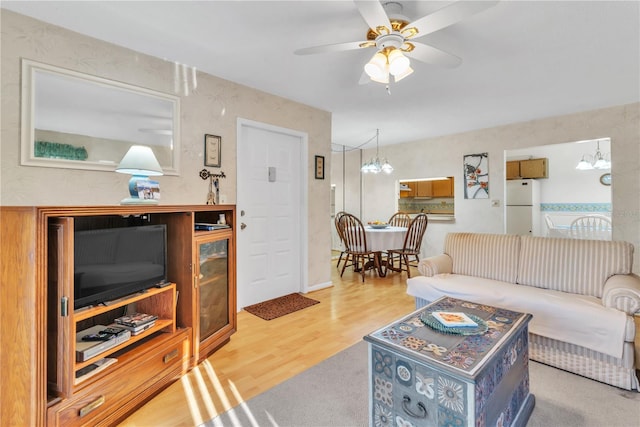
x=78, y=121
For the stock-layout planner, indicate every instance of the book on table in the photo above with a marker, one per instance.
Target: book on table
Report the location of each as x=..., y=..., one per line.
x=454, y=319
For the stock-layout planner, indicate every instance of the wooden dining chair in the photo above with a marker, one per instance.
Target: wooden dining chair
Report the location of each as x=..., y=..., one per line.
x=336, y=220
x=594, y=227
x=400, y=219
x=357, y=249
x=411, y=247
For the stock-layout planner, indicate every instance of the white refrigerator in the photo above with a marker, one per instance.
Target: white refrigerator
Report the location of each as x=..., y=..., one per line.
x=523, y=207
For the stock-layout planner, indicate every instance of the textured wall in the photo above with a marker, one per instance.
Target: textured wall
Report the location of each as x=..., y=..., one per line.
x=214, y=108
x=442, y=156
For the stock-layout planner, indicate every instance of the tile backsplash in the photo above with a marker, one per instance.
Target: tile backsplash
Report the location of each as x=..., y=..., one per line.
x=434, y=206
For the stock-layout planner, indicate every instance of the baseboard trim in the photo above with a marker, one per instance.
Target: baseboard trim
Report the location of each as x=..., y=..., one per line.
x=319, y=286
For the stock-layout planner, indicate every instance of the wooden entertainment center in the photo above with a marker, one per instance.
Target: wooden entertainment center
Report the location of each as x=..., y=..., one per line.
x=196, y=312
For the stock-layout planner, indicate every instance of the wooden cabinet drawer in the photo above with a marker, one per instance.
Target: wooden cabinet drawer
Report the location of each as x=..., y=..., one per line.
x=141, y=375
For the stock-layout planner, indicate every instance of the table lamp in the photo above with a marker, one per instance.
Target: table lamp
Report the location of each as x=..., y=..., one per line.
x=140, y=163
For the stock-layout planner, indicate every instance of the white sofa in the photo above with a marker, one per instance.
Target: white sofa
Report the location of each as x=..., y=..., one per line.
x=581, y=293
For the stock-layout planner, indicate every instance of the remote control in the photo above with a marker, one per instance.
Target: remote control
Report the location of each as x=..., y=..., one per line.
x=101, y=336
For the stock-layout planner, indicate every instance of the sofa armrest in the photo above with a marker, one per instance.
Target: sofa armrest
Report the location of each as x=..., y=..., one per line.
x=435, y=265
x=622, y=291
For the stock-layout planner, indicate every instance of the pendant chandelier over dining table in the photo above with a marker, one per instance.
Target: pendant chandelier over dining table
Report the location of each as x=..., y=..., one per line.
x=375, y=165
x=596, y=161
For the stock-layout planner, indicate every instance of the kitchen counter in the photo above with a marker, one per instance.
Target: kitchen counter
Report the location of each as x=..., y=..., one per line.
x=441, y=217
x=436, y=217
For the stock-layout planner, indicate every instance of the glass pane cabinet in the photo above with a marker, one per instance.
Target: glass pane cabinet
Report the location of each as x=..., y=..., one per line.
x=215, y=296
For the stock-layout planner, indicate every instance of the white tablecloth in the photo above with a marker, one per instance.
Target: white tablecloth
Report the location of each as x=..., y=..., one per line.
x=381, y=239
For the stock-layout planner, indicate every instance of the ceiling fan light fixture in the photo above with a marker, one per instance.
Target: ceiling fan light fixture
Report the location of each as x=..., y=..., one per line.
x=376, y=68
x=399, y=77
x=398, y=63
x=384, y=79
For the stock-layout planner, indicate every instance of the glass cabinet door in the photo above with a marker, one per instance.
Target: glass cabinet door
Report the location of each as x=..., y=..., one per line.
x=213, y=286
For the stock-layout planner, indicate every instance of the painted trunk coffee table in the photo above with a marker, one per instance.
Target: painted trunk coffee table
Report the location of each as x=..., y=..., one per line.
x=421, y=374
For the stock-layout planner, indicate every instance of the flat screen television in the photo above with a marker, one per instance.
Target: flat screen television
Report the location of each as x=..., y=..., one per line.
x=114, y=262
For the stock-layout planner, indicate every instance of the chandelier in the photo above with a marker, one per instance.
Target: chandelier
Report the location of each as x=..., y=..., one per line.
x=374, y=165
x=597, y=161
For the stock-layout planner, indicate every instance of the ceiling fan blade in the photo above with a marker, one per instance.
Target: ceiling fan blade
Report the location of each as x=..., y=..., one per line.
x=373, y=14
x=431, y=55
x=337, y=47
x=446, y=16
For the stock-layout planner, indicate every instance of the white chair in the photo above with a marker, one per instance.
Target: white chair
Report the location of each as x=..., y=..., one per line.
x=550, y=224
x=593, y=227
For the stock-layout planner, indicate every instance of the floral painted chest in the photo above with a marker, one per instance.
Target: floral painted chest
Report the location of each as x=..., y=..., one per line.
x=424, y=374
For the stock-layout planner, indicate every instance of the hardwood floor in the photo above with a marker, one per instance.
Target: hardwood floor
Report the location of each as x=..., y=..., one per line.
x=264, y=353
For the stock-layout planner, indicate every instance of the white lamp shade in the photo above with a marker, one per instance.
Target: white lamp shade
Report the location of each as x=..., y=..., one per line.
x=384, y=79
x=602, y=164
x=584, y=165
x=376, y=68
x=398, y=63
x=386, y=167
x=140, y=160
x=399, y=77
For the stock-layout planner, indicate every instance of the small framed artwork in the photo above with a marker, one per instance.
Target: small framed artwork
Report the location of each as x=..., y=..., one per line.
x=212, y=149
x=319, y=167
x=476, y=176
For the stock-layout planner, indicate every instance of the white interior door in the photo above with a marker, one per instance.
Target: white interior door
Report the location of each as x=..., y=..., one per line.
x=270, y=209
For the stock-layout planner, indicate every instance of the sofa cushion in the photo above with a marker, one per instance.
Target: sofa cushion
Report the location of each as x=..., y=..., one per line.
x=492, y=256
x=572, y=265
x=576, y=319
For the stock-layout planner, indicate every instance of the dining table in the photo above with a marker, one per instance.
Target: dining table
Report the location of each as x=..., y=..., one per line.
x=383, y=238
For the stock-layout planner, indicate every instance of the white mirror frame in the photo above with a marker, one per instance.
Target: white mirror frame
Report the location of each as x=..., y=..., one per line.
x=28, y=158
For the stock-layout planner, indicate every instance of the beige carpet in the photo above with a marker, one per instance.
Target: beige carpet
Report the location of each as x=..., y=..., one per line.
x=335, y=393
x=278, y=307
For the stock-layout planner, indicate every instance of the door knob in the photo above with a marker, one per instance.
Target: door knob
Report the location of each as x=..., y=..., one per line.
x=243, y=226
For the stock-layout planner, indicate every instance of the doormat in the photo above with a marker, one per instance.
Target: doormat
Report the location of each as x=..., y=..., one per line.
x=278, y=307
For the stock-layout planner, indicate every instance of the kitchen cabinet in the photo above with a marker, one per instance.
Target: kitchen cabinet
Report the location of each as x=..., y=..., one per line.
x=436, y=188
x=442, y=187
x=424, y=189
x=532, y=168
x=412, y=189
x=430, y=188
x=513, y=169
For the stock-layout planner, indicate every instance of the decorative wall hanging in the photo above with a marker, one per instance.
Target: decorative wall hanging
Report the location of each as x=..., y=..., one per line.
x=212, y=198
x=476, y=176
x=319, y=167
x=212, y=150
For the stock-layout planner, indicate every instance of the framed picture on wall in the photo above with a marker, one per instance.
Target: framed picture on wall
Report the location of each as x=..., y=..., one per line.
x=212, y=150
x=476, y=176
x=319, y=167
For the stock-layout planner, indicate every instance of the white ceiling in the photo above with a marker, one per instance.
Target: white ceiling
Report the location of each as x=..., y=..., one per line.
x=522, y=60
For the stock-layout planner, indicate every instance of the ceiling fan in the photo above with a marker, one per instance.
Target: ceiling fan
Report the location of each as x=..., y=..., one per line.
x=393, y=35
